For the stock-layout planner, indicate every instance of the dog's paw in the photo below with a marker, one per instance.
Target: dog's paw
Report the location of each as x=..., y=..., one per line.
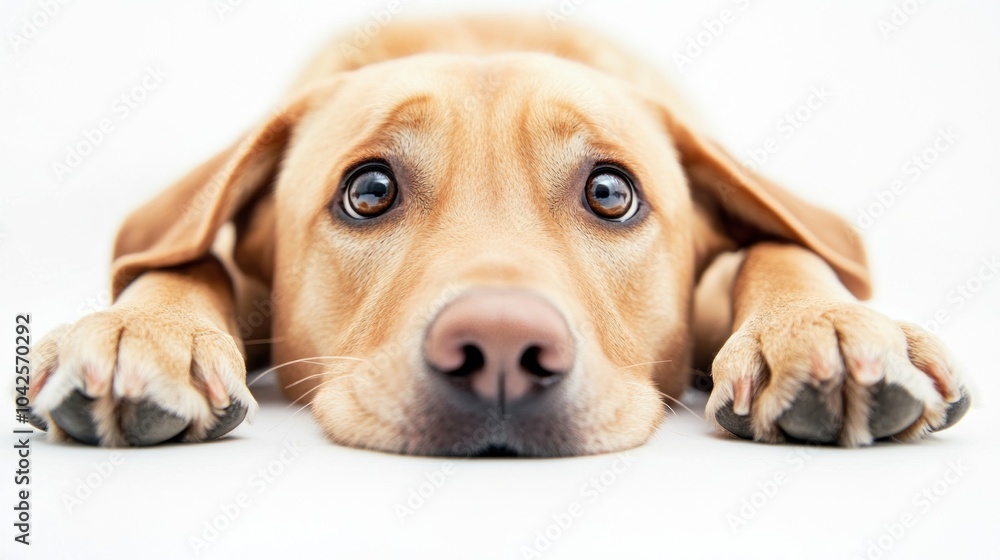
x=833, y=372
x=139, y=376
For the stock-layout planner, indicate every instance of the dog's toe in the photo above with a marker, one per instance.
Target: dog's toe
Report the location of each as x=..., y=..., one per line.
x=893, y=409
x=231, y=417
x=812, y=416
x=144, y=422
x=956, y=411
x=736, y=424
x=74, y=416
x=136, y=376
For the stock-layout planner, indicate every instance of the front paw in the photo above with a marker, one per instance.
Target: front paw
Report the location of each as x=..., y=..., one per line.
x=833, y=372
x=139, y=375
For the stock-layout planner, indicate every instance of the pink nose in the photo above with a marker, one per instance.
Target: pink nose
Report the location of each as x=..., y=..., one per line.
x=501, y=345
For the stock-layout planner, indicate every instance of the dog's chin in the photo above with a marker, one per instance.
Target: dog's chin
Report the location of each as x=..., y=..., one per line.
x=512, y=447
x=435, y=436
x=553, y=427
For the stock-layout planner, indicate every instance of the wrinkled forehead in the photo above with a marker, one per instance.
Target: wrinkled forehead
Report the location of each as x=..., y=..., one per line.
x=522, y=106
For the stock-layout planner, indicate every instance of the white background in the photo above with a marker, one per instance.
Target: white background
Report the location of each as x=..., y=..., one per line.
x=679, y=493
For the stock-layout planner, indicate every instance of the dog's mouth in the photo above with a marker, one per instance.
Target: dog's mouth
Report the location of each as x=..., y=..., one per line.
x=467, y=429
x=495, y=451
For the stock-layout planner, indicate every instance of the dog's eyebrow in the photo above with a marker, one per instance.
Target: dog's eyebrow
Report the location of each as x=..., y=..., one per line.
x=411, y=113
x=387, y=130
x=389, y=127
x=398, y=130
x=567, y=125
x=565, y=120
x=383, y=123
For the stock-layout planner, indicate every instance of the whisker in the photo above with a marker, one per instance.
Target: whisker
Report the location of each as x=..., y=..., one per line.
x=263, y=340
x=645, y=364
x=664, y=430
x=301, y=408
x=682, y=405
x=307, y=378
x=307, y=360
x=670, y=408
x=303, y=395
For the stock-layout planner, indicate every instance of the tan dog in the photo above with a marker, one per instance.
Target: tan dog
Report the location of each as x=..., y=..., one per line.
x=487, y=236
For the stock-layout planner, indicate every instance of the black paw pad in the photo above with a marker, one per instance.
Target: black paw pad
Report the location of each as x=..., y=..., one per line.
x=893, y=409
x=814, y=416
x=734, y=423
x=956, y=411
x=73, y=415
x=231, y=417
x=146, y=423
x=37, y=422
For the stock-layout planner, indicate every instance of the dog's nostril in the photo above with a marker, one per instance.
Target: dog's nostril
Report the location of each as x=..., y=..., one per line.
x=499, y=346
x=473, y=362
x=531, y=364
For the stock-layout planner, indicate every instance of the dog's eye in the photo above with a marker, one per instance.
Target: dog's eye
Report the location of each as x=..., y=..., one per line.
x=370, y=192
x=611, y=195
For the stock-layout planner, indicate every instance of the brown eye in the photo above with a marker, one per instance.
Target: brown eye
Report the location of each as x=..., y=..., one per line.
x=610, y=195
x=370, y=192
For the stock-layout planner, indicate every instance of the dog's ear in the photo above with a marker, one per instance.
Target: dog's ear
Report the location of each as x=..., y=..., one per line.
x=748, y=207
x=181, y=223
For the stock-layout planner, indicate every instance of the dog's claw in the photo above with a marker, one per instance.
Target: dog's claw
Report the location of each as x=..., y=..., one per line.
x=231, y=417
x=736, y=424
x=810, y=417
x=956, y=411
x=73, y=415
x=146, y=423
x=893, y=409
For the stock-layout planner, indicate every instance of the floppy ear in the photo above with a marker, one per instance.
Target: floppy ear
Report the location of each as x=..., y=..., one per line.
x=180, y=224
x=752, y=208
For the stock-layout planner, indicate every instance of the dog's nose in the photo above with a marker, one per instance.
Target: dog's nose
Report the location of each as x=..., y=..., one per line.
x=500, y=345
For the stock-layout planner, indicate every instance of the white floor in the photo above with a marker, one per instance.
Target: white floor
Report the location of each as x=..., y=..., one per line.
x=687, y=493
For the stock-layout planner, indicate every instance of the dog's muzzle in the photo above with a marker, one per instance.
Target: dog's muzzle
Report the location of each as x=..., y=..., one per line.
x=498, y=350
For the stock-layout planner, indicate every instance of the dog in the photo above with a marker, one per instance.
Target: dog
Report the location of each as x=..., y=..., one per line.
x=486, y=236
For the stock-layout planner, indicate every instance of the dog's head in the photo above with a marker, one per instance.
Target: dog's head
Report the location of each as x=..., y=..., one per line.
x=480, y=254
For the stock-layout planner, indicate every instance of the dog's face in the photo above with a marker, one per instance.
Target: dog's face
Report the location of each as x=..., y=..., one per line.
x=498, y=252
